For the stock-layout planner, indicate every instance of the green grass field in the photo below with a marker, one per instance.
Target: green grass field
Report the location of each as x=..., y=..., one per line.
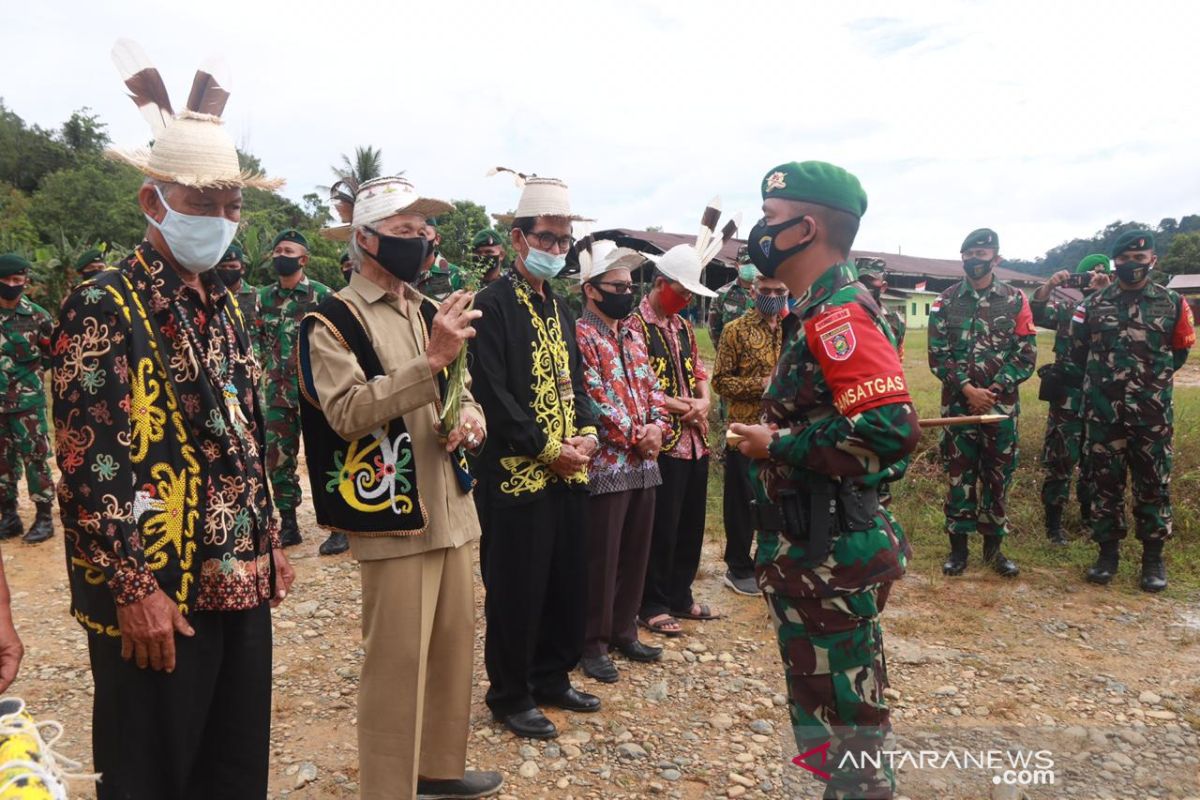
x=918, y=498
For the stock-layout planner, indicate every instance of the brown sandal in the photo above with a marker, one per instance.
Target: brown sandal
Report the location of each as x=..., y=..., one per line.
x=705, y=614
x=662, y=627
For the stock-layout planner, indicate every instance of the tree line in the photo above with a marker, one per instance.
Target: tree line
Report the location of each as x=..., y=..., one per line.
x=1177, y=242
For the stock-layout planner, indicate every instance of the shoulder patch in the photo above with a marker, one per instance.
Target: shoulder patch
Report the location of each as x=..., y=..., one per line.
x=858, y=362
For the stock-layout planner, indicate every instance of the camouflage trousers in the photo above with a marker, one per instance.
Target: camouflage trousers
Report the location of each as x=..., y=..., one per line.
x=1060, y=457
x=832, y=650
x=283, y=449
x=25, y=445
x=979, y=461
x=1144, y=450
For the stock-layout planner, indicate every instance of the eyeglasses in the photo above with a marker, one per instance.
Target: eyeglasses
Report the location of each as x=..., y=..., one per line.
x=781, y=292
x=546, y=240
x=618, y=287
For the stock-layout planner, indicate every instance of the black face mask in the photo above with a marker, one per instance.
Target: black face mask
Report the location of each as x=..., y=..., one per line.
x=230, y=277
x=10, y=293
x=286, y=265
x=401, y=257
x=761, y=245
x=977, y=268
x=487, y=263
x=1132, y=272
x=613, y=305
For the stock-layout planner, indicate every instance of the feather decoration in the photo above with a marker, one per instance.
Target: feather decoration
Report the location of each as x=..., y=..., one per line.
x=208, y=96
x=708, y=225
x=518, y=177
x=344, y=190
x=716, y=245
x=145, y=84
x=583, y=250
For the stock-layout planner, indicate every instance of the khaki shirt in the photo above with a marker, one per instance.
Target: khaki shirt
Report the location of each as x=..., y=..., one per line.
x=354, y=407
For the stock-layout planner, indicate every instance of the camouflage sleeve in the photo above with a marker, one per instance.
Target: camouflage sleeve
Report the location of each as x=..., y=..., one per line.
x=864, y=444
x=1045, y=313
x=1021, y=360
x=96, y=440
x=726, y=380
x=716, y=321
x=45, y=331
x=941, y=357
x=1077, y=353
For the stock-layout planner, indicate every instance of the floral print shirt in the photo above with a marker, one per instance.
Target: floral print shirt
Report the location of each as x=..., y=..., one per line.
x=618, y=377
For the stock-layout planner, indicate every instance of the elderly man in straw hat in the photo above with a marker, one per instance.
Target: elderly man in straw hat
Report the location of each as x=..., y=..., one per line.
x=371, y=366
x=171, y=552
x=679, y=509
x=529, y=380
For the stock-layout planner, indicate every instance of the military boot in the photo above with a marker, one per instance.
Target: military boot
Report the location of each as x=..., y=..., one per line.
x=956, y=562
x=336, y=543
x=1054, y=527
x=1105, y=568
x=289, y=530
x=1154, y=571
x=43, y=525
x=10, y=521
x=1001, y=564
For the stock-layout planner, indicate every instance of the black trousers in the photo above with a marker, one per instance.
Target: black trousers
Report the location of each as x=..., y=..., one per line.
x=535, y=572
x=201, y=732
x=678, y=536
x=618, y=534
x=739, y=530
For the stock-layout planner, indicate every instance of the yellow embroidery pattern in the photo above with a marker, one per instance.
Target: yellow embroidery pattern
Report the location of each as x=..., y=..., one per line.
x=525, y=475
x=147, y=421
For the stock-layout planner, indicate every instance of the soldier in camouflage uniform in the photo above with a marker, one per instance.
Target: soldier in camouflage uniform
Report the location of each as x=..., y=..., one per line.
x=1127, y=341
x=827, y=551
x=734, y=299
x=232, y=270
x=89, y=263
x=982, y=347
x=1064, y=424
x=872, y=273
x=438, y=276
x=281, y=305
x=24, y=436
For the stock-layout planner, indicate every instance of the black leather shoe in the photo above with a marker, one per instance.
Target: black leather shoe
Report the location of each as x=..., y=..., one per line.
x=1154, y=571
x=1105, y=568
x=289, y=530
x=956, y=562
x=336, y=543
x=471, y=784
x=600, y=668
x=637, y=651
x=529, y=724
x=570, y=700
x=42, y=527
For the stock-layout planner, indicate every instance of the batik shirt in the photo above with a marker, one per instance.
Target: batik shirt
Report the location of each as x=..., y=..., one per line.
x=24, y=355
x=747, y=354
x=691, y=444
x=159, y=439
x=279, y=313
x=842, y=405
x=625, y=390
x=527, y=375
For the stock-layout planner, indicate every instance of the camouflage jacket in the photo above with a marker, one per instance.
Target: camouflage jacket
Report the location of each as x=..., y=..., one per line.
x=731, y=302
x=985, y=339
x=1126, y=346
x=24, y=355
x=842, y=405
x=247, y=300
x=279, y=313
x=1056, y=315
x=898, y=327
x=439, y=280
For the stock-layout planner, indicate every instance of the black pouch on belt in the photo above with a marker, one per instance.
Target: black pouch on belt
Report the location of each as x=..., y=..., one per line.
x=1052, y=389
x=857, y=506
x=822, y=516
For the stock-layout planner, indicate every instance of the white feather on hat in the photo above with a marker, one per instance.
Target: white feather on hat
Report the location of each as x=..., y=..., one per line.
x=598, y=256
x=540, y=197
x=684, y=262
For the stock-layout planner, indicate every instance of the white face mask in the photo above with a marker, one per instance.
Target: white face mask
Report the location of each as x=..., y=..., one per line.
x=197, y=243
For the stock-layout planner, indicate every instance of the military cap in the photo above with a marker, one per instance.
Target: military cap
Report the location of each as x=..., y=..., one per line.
x=89, y=257
x=1132, y=240
x=344, y=257
x=486, y=238
x=871, y=266
x=981, y=237
x=234, y=253
x=816, y=182
x=1089, y=263
x=11, y=264
x=290, y=235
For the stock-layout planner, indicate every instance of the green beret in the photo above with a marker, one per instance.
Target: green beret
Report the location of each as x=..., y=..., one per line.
x=486, y=238
x=234, y=253
x=1132, y=240
x=1089, y=263
x=11, y=264
x=816, y=182
x=981, y=237
x=89, y=257
x=876, y=267
x=290, y=235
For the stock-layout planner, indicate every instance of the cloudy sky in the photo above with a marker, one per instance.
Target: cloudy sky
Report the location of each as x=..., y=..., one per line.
x=1045, y=120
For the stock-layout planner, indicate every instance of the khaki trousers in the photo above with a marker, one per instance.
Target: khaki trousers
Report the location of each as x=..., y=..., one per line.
x=419, y=637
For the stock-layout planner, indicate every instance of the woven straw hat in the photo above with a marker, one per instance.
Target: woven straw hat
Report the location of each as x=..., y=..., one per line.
x=540, y=197
x=605, y=256
x=380, y=198
x=682, y=263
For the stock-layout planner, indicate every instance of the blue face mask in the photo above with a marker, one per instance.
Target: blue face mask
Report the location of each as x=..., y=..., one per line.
x=770, y=305
x=543, y=265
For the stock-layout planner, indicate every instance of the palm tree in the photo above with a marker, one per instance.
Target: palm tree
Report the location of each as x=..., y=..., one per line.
x=367, y=164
